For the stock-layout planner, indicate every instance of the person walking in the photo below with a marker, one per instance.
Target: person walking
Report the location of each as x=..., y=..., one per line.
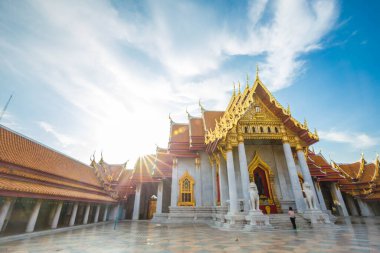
x=292, y=217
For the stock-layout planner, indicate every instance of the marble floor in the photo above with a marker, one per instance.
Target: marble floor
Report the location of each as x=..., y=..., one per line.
x=357, y=235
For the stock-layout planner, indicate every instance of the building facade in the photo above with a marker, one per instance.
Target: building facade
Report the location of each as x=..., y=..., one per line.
x=204, y=175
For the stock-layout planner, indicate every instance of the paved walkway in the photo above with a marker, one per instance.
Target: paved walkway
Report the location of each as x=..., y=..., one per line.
x=362, y=235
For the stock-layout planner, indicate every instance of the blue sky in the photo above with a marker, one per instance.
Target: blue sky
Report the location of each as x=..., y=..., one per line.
x=102, y=76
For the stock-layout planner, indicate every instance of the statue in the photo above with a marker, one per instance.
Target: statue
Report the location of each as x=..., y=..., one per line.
x=309, y=195
x=259, y=184
x=254, y=196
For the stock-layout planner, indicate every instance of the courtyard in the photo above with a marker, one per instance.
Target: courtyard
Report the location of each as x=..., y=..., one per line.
x=350, y=235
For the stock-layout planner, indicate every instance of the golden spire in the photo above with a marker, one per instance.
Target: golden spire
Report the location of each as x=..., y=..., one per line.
x=257, y=72
x=247, y=83
x=239, y=88
x=234, y=90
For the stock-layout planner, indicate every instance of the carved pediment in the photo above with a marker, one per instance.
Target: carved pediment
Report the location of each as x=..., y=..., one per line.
x=258, y=112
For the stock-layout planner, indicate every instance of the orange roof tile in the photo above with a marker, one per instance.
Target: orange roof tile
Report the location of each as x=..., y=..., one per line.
x=12, y=186
x=19, y=150
x=210, y=117
x=352, y=169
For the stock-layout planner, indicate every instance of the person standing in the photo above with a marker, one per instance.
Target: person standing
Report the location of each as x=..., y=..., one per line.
x=292, y=217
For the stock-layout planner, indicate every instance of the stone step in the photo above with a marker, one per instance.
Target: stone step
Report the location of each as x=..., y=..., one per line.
x=282, y=221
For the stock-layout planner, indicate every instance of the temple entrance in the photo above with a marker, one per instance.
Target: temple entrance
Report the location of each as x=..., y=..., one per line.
x=261, y=174
x=152, y=206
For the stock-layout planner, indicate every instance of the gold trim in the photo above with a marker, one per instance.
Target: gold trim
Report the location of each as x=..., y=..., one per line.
x=257, y=162
x=188, y=177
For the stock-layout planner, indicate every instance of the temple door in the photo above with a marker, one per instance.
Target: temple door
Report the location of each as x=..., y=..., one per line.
x=152, y=206
x=261, y=174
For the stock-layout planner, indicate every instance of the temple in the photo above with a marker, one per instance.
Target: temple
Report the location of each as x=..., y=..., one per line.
x=216, y=165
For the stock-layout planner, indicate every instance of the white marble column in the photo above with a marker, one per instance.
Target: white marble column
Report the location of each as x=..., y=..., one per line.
x=160, y=189
x=175, y=182
x=321, y=200
x=337, y=195
x=4, y=211
x=86, y=213
x=365, y=209
x=33, y=217
x=351, y=205
x=223, y=184
x=105, y=213
x=198, y=183
x=96, y=219
x=73, y=214
x=234, y=207
x=244, y=174
x=136, y=207
x=295, y=183
x=214, y=184
x=57, y=213
x=306, y=173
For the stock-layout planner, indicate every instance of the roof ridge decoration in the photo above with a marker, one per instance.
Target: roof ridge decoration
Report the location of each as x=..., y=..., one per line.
x=200, y=106
x=257, y=72
x=239, y=105
x=377, y=168
x=171, y=120
x=348, y=176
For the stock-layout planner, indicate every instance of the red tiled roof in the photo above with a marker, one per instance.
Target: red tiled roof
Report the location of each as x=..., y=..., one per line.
x=18, y=150
x=210, y=117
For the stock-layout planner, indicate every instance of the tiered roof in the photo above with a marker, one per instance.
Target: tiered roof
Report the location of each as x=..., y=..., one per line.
x=30, y=169
x=111, y=176
x=360, y=178
x=321, y=169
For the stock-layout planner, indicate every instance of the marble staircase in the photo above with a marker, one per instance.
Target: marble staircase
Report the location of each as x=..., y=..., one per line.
x=282, y=221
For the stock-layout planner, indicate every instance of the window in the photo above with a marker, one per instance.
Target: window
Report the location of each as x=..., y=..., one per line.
x=186, y=194
x=253, y=130
x=261, y=129
x=268, y=129
x=257, y=109
x=276, y=130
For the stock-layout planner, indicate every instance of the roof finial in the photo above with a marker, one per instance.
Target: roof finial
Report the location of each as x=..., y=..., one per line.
x=257, y=71
x=188, y=114
x=200, y=105
x=239, y=87
x=288, y=110
x=101, y=157
x=305, y=124
x=315, y=132
x=170, y=118
x=247, y=82
x=234, y=90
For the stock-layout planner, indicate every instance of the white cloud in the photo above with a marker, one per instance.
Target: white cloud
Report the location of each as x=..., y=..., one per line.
x=125, y=71
x=63, y=139
x=357, y=140
x=297, y=27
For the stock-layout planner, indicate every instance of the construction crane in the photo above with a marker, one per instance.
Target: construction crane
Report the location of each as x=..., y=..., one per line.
x=5, y=107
